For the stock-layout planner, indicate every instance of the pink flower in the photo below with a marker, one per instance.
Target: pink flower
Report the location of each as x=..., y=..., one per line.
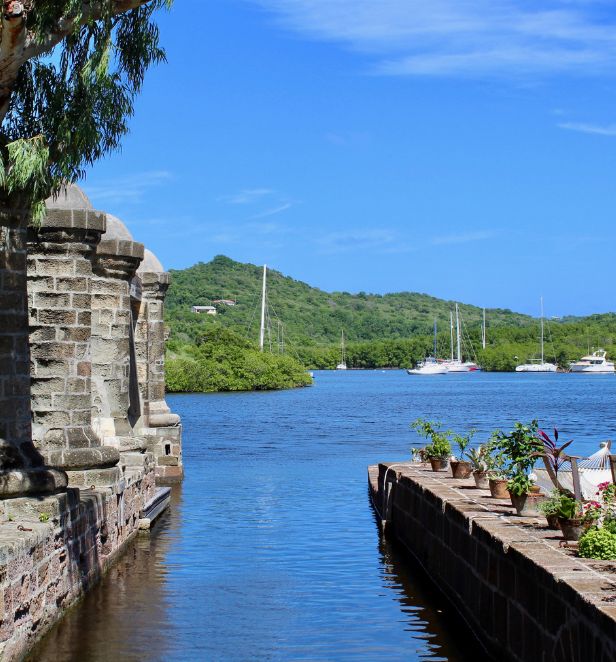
x=603, y=486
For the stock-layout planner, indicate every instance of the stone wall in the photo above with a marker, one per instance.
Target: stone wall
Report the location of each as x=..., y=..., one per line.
x=525, y=597
x=45, y=566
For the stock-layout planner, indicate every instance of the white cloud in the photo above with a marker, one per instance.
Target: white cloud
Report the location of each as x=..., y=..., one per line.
x=597, y=129
x=376, y=240
x=461, y=37
x=464, y=238
x=129, y=189
x=273, y=210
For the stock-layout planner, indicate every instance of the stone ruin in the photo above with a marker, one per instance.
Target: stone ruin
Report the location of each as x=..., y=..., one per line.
x=85, y=433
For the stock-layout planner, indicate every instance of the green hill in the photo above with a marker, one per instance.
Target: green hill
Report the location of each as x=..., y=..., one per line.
x=390, y=330
x=309, y=316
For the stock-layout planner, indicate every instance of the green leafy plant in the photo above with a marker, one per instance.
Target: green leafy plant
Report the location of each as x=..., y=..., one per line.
x=569, y=508
x=598, y=543
x=551, y=505
x=44, y=517
x=520, y=449
x=479, y=458
x=519, y=485
x=463, y=441
x=495, y=457
x=439, y=446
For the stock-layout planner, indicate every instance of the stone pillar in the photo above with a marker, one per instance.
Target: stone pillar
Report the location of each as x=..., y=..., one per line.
x=158, y=424
x=59, y=282
x=115, y=264
x=21, y=467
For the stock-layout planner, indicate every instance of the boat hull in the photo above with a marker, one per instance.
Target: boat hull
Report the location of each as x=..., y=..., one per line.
x=538, y=367
x=605, y=368
x=428, y=371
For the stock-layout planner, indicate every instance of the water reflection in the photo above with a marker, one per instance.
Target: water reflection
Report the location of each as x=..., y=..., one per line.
x=271, y=551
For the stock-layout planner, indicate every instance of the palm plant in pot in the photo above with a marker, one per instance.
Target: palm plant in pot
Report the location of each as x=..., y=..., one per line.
x=520, y=448
x=438, y=450
x=461, y=468
x=478, y=459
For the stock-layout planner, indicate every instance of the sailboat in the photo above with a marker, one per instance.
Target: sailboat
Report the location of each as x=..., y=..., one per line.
x=535, y=365
x=342, y=365
x=456, y=364
x=430, y=365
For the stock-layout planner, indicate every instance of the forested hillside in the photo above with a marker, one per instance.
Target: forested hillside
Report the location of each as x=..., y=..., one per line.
x=310, y=316
x=391, y=330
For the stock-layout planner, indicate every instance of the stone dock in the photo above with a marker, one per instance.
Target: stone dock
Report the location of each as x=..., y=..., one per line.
x=87, y=441
x=524, y=595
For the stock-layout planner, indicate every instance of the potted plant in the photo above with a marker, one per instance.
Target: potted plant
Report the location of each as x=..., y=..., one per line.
x=570, y=517
x=478, y=458
x=520, y=449
x=495, y=462
x=525, y=497
x=549, y=507
x=438, y=450
x=461, y=468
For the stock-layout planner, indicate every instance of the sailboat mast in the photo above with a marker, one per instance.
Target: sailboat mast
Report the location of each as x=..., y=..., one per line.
x=342, y=347
x=262, y=329
x=458, y=333
x=451, y=332
x=435, y=337
x=541, y=330
x=483, y=330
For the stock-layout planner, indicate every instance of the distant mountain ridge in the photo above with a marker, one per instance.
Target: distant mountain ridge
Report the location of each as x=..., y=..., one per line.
x=310, y=315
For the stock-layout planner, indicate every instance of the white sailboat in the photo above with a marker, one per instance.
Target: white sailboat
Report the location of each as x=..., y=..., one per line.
x=455, y=364
x=430, y=365
x=342, y=365
x=538, y=366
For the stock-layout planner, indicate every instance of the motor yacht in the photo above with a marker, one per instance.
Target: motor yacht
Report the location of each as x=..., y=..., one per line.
x=595, y=362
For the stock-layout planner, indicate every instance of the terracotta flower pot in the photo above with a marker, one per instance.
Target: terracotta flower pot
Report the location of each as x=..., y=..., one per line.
x=526, y=504
x=461, y=469
x=498, y=488
x=535, y=489
x=481, y=480
x=553, y=522
x=572, y=528
x=439, y=464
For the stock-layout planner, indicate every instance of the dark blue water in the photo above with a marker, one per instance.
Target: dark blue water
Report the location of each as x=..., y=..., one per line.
x=271, y=551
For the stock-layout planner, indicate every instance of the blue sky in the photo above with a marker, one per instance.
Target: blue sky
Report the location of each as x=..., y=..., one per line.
x=463, y=148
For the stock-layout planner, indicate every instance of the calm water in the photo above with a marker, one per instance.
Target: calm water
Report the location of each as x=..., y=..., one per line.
x=271, y=551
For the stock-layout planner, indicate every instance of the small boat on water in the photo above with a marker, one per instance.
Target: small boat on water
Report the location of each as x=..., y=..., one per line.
x=430, y=365
x=342, y=365
x=595, y=362
x=538, y=365
x=456, y=364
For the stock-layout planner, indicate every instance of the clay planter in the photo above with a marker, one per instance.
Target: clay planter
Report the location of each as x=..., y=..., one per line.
x=481, y=480
x=552, y=522
x=526, y=504
x=498, y=488
x=535, y=489
x=461, y=469
x=572, y=528
x=439, y=464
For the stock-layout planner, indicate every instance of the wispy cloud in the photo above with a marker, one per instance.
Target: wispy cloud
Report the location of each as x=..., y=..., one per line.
x=376, y=240
x=597, y=129
x=463, y=238
x=247, y=196
x=128, y=189
x=461, y=37
x=273, y=210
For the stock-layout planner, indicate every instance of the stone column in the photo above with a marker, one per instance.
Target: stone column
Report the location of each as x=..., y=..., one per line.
x=158, y=424
x=59, y=282
x=115, y=264
x=21, y=467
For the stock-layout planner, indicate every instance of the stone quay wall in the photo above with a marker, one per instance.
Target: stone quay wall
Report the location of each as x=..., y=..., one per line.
x=55, y=548
x=524, y=596
x=86, y=436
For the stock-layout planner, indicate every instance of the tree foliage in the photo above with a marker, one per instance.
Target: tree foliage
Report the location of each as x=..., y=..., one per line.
x=223, y=361
x=69, y=73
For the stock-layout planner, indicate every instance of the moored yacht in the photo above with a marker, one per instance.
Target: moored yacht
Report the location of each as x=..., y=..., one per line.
x=537, y=365
x=595, y=362
x=456, y=364
x=429, y=366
